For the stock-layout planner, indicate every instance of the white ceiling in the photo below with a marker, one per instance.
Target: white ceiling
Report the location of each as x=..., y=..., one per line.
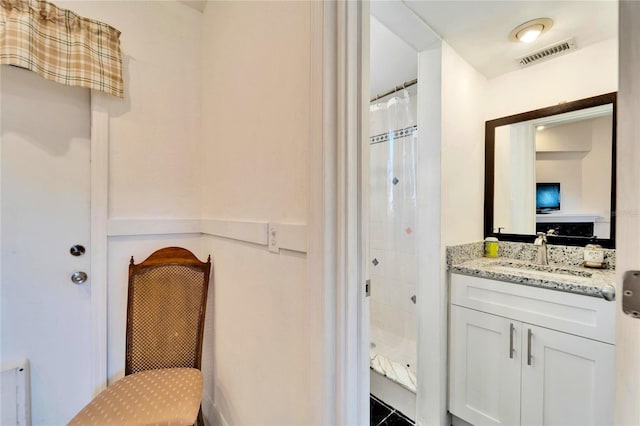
x=478, y=30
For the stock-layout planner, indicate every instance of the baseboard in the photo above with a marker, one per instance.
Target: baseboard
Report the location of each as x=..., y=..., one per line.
x=208, y=409
x=211, y=413
x=457, y=421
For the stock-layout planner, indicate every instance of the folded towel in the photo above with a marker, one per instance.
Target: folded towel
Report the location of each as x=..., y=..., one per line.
x=395, y=371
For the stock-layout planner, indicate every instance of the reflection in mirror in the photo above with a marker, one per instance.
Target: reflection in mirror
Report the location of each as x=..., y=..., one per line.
x=553, y=173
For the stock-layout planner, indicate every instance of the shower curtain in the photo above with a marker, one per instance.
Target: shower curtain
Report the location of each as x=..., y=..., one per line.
x=393, y=124
x=392, y=235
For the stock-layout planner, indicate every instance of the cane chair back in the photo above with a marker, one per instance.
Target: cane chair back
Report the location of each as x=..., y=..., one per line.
x=165, y=310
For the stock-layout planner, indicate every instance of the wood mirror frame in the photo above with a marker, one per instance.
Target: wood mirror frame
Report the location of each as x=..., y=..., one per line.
x=489, y=167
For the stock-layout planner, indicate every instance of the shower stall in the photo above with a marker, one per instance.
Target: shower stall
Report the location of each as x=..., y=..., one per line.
x=393, y=268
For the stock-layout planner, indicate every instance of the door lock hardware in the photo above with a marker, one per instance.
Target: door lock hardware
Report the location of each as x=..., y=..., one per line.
x=77, y=250
x=79, y=277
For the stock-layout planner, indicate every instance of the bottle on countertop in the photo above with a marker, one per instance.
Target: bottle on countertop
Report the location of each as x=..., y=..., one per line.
x=594, y=256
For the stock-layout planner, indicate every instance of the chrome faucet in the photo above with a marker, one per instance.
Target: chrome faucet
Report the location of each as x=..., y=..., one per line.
x=541, y=242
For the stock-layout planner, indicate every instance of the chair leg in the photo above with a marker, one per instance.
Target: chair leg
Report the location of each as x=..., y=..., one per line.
x=200, y=420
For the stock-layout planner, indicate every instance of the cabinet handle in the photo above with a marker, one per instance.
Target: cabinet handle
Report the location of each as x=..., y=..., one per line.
x=529, y=334
x=511, y=327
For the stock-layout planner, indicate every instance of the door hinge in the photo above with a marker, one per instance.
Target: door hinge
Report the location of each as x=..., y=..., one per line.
x=367, y=288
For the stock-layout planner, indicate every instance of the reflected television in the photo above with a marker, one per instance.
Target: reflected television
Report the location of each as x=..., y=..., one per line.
x=547, y=197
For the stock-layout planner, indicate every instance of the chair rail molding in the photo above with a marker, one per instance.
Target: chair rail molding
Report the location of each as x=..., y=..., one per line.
x=291, y=236
x=119, y=227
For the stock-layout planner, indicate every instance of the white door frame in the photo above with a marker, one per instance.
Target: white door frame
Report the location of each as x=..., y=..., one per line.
x=99, y=218
x=352, y=312
x=627, y=373
x=341, y=157
x=344, y=222
x=336, y=270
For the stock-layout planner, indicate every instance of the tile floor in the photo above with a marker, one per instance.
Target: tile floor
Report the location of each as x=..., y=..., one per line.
x=383, y=415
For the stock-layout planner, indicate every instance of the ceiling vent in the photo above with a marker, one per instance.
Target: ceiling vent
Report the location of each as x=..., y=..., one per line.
x=548, y=52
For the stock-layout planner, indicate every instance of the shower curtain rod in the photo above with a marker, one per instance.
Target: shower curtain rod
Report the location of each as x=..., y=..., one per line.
x=395, y=89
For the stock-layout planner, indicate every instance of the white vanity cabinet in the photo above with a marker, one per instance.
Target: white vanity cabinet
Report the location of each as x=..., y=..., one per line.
x=521, y=355
x=484, y=381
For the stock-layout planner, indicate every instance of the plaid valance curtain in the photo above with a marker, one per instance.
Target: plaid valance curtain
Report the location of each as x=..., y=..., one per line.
x=60, y=45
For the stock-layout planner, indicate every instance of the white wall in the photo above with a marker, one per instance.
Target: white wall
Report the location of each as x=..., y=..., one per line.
x=559, y=154
x=154, y=132
x=450, y=204
x=255, y=111
x=432, y=285
x=154, y=139
x=582, y=165
x=463, y=98
x=575, y=136
x=577, y=75
x=567, y=170
x=461, y=197
x=256, y=108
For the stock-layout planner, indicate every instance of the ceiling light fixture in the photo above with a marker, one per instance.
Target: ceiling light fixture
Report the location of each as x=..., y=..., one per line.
x=529, y=31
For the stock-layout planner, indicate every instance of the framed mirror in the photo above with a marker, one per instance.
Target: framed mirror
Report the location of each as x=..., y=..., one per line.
x=553, y=170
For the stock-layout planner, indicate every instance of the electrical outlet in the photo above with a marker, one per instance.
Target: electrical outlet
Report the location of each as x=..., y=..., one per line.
x=273, y=241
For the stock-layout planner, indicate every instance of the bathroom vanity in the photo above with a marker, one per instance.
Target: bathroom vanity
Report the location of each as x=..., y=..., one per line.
x=532, y=332
x=531, y=344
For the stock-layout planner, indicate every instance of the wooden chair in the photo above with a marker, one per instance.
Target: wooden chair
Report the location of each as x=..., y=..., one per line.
x=166, y=305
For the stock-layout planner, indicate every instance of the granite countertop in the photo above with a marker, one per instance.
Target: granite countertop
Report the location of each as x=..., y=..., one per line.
x=567, y=278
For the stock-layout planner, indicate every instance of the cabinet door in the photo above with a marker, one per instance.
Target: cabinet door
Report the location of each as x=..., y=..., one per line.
x=568, y=380
x=484, y=371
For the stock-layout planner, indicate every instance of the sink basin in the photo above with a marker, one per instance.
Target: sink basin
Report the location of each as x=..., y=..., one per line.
x=545, y=272
x=545, y=275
